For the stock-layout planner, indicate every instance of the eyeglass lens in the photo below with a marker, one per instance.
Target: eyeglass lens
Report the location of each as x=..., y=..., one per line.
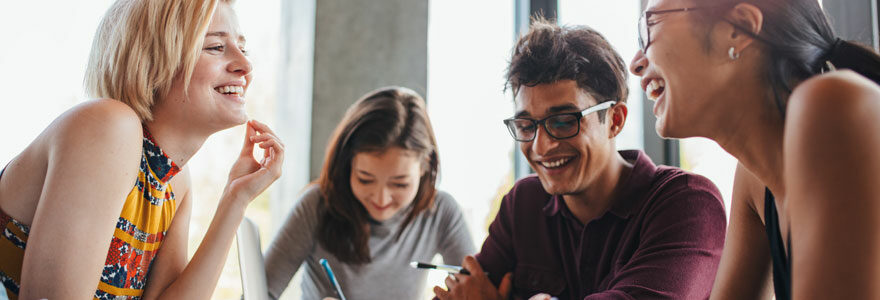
x=559, y=126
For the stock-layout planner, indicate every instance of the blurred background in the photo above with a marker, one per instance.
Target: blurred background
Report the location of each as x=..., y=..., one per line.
x=312, y=59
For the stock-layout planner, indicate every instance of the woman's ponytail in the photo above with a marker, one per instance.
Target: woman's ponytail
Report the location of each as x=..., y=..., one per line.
x=800, y=44
x=848, y=55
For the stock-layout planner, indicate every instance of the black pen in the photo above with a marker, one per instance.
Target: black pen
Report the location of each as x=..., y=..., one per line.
x=447, y=268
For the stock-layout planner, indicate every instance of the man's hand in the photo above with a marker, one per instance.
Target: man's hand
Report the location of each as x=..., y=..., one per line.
x=474, y=286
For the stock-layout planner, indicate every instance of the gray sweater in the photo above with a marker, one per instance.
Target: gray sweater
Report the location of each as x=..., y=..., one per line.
x=440, y=229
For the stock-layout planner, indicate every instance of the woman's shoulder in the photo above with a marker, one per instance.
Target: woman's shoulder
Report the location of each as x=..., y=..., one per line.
x=841, y=100
x=99, y=120
x=104, y=109
x=748, y=188
x=310, y=198
x=443, y=197
x=831, y=115
x=445, y=204
x=96, y=124
x=841, y=89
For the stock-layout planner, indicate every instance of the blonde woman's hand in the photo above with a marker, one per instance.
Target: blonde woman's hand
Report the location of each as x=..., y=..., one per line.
x=249, y=177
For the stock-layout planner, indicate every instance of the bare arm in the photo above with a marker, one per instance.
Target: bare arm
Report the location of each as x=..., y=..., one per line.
x=93, y=156
x=744, y=272
x=247, y=179
x=832, y=159
x=173, y=255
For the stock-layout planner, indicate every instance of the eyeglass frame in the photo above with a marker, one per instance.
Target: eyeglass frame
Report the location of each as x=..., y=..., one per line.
x=647, y=15
x=543, y=122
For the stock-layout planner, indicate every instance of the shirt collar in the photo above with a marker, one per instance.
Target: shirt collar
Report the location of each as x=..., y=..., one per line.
x=636, y=185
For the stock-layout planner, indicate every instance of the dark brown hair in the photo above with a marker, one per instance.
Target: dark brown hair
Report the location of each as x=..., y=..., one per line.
x=799, y=40
x=387, y=117
x=549, y=53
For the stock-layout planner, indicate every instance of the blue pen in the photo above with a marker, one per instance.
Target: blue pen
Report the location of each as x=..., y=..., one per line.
x=333, y=283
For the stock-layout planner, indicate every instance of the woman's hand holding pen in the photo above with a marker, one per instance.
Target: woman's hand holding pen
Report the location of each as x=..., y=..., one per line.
x=248, y=177
x=474, y=286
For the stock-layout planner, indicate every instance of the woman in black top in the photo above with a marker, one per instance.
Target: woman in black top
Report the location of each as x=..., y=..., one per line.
x=769, y=81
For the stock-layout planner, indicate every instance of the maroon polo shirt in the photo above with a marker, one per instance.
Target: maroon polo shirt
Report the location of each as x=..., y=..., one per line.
x=660, y=239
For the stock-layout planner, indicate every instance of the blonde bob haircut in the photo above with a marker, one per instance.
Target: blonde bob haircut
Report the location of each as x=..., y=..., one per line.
x=141, y=45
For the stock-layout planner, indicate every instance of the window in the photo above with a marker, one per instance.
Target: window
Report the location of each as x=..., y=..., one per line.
x=469, y=44
x=617, y=22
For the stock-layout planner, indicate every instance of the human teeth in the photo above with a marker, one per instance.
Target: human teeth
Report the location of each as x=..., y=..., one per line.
x=653, y=87
x=230, y=89
x=554, y=164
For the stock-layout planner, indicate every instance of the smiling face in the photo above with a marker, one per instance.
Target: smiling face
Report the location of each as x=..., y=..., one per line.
x=385, y=182
x=220, y=78
x=566, y=166
x=678, y=73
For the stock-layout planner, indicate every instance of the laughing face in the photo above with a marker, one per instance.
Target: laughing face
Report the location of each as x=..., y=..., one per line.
x=220, y=78
x=385, y=182
x=565, y=166
x=678, y=73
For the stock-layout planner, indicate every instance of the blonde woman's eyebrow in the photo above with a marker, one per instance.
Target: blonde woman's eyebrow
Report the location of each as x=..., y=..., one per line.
x=224, y=34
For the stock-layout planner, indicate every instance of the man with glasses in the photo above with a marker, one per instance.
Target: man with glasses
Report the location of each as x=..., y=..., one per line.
x=595, y=223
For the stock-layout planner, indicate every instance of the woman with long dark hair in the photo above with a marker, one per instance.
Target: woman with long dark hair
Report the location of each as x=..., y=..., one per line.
x=772, y=84
x=374, y=208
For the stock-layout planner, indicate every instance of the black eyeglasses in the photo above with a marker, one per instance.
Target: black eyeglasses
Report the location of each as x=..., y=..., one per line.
x=645, y=22
x=558, y=126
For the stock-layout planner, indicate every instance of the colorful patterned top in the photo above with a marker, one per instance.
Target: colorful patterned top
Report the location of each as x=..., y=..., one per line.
x=140, y=230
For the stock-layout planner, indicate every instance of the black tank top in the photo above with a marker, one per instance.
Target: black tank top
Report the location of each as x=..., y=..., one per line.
x=781, y=261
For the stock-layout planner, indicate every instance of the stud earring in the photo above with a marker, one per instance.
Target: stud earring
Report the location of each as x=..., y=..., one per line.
x=732, y=54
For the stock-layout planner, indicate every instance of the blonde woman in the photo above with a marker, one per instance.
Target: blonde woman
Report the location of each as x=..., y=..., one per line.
x=98, y=205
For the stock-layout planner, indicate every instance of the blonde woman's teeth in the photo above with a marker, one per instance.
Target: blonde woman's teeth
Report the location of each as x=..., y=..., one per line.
x=230, y=89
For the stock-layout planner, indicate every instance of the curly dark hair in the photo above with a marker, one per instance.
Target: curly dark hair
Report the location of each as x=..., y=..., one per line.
x=549, y=53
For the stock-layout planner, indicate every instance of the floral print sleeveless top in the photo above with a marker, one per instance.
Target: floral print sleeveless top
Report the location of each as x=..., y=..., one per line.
x=140, y=230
